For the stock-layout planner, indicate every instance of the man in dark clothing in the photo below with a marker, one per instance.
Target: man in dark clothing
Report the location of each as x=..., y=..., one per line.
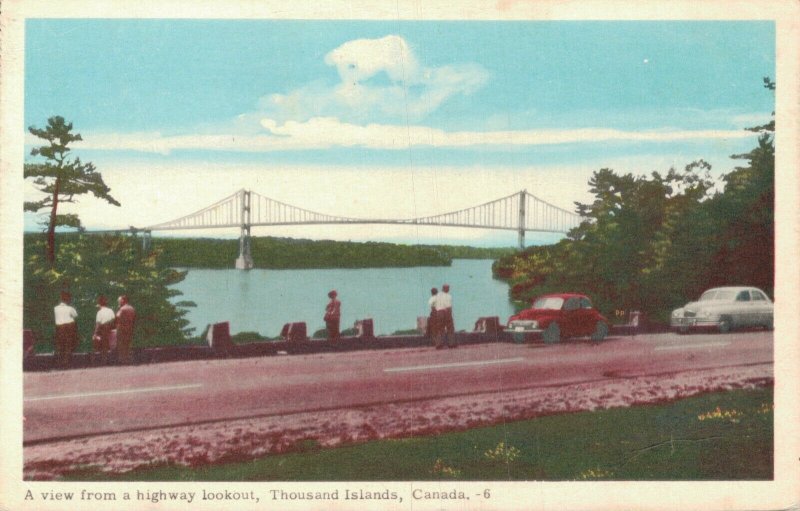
x=126, y=317
x=333, y=312
x=434, y=327
x=445, y=307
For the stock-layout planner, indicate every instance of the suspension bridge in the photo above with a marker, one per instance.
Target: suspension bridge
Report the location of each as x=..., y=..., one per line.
x=245, y=209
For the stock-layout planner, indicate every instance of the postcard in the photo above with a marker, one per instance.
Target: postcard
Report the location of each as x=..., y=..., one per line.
x=394, y=255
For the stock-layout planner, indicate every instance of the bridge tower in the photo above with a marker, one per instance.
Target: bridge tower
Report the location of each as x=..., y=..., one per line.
x=521, y=224
x=245, y=260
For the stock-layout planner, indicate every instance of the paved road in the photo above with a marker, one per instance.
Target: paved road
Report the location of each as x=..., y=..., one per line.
x=111, y=399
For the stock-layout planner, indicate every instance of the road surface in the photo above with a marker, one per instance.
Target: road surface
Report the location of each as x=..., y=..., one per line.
x=61, y=405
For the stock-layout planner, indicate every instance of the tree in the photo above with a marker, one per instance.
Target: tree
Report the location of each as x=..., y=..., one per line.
x=61, y=178
x=747, y=248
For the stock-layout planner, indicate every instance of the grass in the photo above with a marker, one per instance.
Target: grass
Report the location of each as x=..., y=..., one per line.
x=718, y=436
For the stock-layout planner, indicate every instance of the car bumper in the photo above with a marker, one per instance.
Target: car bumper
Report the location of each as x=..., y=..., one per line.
x=524, y=333
x=694, y=323
x=523, y=325
x=523, y=329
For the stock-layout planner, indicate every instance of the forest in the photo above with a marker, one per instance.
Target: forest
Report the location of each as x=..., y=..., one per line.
x=290, y=253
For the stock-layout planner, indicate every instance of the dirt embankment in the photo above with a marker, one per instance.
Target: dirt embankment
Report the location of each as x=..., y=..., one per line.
x=249, y=438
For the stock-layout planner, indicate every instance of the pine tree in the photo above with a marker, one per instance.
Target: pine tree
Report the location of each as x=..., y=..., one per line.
x=61, y=178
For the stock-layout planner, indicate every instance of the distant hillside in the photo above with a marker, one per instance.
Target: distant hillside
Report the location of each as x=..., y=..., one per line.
x=466, y=252
x=290, y=253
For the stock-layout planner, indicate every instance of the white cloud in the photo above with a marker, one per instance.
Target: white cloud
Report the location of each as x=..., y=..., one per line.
x=379, y=78
x=361, y=59
x=328, y=132
x=751, y=119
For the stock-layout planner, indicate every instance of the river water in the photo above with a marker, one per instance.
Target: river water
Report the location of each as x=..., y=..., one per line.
x=263, y=300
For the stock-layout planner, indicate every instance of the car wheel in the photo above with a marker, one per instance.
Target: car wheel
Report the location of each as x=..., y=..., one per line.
x=600, y=331
x=683, y=330
x=552, y=334
x=724, y=325
x=770, y=325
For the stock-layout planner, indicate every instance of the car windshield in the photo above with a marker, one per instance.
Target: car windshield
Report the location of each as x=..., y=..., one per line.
x=548, y=302
x=717, y=295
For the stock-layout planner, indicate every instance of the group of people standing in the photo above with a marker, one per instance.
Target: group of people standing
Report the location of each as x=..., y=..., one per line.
x=117, y=327
x=441, y=328
x=110, y=328
x=440, y=322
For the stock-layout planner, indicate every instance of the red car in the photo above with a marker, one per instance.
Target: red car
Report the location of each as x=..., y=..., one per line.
x=559, y=316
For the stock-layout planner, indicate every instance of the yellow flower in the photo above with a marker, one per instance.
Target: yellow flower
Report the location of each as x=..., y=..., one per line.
x=594, y=474
x=440, y=468
x=766, y=408
x=503, y=453
x=718, y=413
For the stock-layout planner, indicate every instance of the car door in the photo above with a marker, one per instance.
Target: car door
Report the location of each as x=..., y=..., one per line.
x=572, y=317
x=588, y=317
x=742, y=315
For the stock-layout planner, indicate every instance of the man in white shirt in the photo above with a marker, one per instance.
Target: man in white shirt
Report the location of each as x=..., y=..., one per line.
x=444, y=308
x=104, y=323
x=66, y=335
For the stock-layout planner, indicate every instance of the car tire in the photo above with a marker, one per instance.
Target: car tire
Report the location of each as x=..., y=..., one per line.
x=683, y=330
x=770, y=325
x=725, y=325
x=552, y=334
x=600, y=331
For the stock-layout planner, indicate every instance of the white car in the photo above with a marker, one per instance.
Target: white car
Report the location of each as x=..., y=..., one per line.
x=725, y=308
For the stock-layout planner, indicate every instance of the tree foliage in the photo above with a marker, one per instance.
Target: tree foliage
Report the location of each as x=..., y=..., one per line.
x=61, y=178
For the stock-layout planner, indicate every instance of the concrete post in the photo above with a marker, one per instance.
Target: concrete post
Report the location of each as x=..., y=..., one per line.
x=245, y=260
x=521, y=224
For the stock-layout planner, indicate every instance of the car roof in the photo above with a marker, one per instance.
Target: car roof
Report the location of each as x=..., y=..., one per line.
x=732, y=288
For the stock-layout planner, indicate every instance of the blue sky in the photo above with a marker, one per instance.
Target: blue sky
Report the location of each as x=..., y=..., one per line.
x=542, y=103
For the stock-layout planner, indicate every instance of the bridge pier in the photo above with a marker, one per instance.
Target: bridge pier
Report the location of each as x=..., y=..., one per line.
x=245, y=260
